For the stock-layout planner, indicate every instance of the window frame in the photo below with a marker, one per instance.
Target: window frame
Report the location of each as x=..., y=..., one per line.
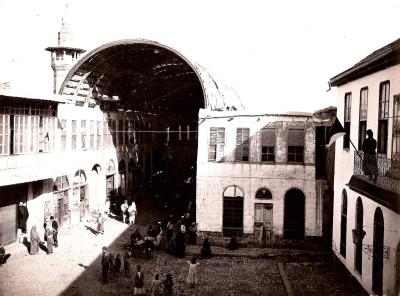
x=242, y=150
x=347, y=120
x=363, y=115
x=295, y=153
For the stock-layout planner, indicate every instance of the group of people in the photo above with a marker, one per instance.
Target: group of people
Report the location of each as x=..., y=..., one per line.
x=50, y=237
x=128, y=212
x=111, y=266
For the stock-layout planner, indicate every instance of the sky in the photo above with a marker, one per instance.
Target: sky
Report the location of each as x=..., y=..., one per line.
x=277, y=55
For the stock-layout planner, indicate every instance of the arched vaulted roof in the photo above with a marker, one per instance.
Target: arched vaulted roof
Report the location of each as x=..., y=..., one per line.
x=142, y=74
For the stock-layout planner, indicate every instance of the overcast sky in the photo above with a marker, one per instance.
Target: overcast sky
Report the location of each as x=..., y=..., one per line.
x=276, y=54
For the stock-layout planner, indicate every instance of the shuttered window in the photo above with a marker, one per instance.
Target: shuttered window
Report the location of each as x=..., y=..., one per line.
x=4, y=134
x=217, y=143
x=268, y=144
x=63, y=128
x=242, y=144
x=83, y=134
x=21, y=134
x=296, y=145
x=48, y=133
x=99, y=133
x=92, y=132
x=73, y=134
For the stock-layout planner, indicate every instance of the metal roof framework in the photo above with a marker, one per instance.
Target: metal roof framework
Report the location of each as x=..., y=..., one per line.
x=144, y=75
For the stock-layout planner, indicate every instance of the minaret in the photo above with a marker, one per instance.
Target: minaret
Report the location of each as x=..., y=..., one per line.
x=63, y=56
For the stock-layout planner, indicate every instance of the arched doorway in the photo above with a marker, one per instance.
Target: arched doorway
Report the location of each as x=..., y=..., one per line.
x=359, y=239
x=61, y=192
x=79, y=195
x=343, y=224
x=232, y=222
x=122, y=177
x=294, y=218
x=377, y=260
x=96, y=194
x=110, y=187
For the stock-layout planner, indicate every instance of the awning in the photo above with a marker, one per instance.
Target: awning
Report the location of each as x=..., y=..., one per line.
x=26, y=175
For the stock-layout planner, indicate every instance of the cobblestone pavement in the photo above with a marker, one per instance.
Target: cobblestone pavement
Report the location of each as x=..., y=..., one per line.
x=74, y=269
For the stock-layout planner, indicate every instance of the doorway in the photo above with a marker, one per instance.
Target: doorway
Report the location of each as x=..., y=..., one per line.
x=293, y=224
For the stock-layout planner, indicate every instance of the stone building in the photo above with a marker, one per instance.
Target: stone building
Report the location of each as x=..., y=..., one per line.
x=366, y=221
x=262, y=170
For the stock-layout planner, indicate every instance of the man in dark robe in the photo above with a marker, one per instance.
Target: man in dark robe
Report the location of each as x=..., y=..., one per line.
x=370, y=166
x=105, y=264
x=23, y=215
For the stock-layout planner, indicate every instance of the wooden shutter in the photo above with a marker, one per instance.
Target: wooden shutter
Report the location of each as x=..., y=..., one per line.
x=296, y=137
x=268, y=137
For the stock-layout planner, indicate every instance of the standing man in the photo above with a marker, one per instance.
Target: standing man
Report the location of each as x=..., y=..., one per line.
x=132, y=213
x=49, y=238
x=370, y=166
x=23, y=215
x=105, y=264
x=124, y=209
x=54, y=224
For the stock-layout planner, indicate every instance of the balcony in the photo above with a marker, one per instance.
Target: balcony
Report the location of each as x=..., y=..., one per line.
x=377, y=178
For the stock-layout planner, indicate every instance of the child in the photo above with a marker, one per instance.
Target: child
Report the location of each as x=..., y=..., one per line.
x=155, y=286
x=168, y=285
x=139, y=282
x=117, y=265
x=192, y=275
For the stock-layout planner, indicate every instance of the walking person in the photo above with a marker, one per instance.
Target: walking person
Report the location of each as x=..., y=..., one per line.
x=192, y=275
x=49, y=238
x=168, y=285
x=54, y=225
x=127, y=265
x=35, y=241
x=206, y=248
x=100, y=224
x=117, y=265
x=124, y=210
x=139, y=282
x=105, y=264
x=132, y=213
x=156, y=285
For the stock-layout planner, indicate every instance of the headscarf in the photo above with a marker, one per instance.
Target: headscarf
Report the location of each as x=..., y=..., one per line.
x=34, y=233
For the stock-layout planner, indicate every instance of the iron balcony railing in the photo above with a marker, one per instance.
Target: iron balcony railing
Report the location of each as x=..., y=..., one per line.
x=378, y=170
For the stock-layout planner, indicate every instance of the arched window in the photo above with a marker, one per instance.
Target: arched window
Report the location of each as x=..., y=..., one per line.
x=359, y=236
x=377, y=259
x=79, y=178
x=263, y=193
x=61, y=183
x=343, y=224
x=233, y=212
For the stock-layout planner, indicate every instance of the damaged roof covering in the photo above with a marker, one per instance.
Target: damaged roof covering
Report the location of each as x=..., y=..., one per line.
x=143, y=74
x=380, y=59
